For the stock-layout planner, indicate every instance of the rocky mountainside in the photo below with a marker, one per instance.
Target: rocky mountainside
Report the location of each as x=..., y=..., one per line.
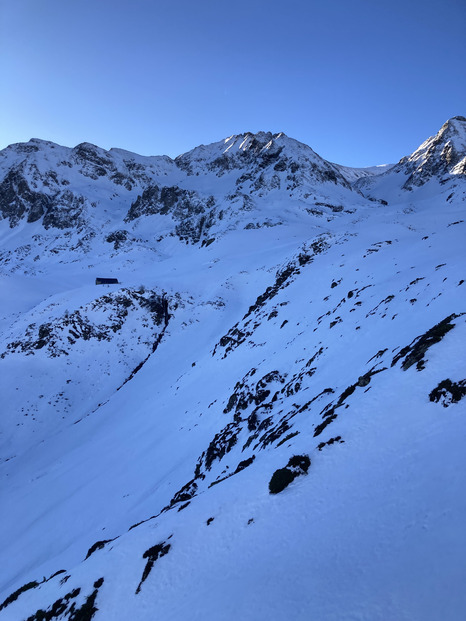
x=441, y=158
x=263, y=418
x=91, y=191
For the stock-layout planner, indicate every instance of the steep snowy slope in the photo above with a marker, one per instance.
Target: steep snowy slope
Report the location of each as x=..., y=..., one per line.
x=265, y=426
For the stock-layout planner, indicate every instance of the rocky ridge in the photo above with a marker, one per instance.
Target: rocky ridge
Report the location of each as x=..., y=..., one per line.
x=439, y=159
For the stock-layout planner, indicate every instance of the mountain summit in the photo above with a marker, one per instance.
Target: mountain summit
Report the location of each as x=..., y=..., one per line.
x=440, y=155
x=258, y=154
x=439, y=160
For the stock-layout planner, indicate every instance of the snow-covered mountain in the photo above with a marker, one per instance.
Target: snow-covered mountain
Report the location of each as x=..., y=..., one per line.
x=264, y=418
x=440, y=159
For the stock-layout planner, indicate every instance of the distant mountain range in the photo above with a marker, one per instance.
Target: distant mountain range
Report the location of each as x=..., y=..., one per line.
x=263, y=418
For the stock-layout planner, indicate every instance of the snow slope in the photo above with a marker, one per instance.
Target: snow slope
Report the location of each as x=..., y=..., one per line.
x=329, y=326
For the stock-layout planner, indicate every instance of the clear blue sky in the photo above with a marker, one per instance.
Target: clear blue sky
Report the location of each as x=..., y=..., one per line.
x=361, y=81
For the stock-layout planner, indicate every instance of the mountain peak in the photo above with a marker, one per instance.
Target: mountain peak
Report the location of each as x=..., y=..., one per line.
x=256, y=141
x=454, y=129
x=244, y=143
x=457, y=118
x=438, y=156
x=257, y=154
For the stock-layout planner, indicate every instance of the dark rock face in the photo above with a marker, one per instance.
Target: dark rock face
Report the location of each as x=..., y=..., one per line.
x=145, y=204
x=93, y=161
x=193, y=213
x=17, y=200
x=414, y=352
x=66, y=211
x=117, y=238
x=61, y=210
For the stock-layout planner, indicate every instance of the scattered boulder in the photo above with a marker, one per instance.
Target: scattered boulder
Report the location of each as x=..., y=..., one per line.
x=281, y=478
x=448, y=392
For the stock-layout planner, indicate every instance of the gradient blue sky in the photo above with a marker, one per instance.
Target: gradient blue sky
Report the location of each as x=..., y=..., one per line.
x=361, y=81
